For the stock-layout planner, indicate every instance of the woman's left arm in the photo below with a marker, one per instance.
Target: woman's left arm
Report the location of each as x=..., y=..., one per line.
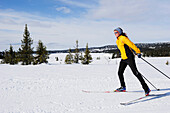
x=126, y=41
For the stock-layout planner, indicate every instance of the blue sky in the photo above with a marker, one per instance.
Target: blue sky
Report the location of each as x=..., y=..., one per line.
x=59, y=23
x=44, y=7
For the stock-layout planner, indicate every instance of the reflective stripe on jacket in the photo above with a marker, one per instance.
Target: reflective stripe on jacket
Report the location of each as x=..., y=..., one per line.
x=125, y=46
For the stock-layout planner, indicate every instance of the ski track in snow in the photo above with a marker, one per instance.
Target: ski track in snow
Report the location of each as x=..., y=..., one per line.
x=57, y=87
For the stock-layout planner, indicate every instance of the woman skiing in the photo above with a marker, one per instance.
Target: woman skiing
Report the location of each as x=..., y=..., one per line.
x=125, y=47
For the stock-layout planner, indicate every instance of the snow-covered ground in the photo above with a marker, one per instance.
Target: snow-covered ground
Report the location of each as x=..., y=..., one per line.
x=57, y=87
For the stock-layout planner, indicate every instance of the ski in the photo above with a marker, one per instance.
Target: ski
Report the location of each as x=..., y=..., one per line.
x=97, y=91
x=110, y=91
x=133, y=101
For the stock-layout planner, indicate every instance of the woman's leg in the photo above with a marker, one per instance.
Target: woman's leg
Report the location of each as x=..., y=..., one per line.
x=132, y=65
x=121, y=70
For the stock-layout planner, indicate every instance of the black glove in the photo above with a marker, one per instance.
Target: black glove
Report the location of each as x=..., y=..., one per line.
x=139, y=55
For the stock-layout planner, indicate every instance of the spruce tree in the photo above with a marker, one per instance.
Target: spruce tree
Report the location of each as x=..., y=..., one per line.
x=69, y=58
x=81, y=56
x=5, y=60
x=42, y=54
x=167, y=63
x=10, y=56
x=19, y=55
x=1, y=55
x=87, y=57
x=76, y=57
x=26, y=49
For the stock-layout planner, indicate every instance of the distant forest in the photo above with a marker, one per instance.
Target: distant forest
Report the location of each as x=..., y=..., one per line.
x=147, y=49
x=156, y=50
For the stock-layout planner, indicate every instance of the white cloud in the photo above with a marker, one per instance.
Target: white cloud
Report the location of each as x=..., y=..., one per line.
x=131, y=11
x=118, y=9
x=63, y=9
x=63, y=32
x=140, y=21
x=77, y=3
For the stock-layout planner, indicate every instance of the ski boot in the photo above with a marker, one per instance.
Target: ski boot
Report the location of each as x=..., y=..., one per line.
x=121, y=89
x=147, y=92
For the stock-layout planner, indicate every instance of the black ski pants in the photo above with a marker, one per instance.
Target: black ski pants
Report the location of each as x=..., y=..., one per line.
x=131, y=62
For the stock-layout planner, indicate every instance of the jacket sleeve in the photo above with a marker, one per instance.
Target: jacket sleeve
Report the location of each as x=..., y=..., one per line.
x=126, y=41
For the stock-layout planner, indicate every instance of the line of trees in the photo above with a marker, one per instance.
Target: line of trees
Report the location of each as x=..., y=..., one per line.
x=162, y=52
x=86, y=59
x=25, y=54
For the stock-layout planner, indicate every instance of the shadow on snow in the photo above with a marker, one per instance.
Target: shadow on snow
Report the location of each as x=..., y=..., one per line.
x=154, y=96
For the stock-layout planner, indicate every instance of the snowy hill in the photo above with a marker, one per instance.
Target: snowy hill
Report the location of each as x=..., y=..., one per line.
x=57, y=87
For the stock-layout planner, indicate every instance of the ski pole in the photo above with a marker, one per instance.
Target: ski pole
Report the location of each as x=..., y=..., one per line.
x=155, y=68
x=150, y=82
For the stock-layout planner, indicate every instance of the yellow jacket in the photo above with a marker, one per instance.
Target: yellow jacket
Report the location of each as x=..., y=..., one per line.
x=125, y=46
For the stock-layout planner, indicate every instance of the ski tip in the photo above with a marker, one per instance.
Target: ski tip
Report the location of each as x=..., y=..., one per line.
x=85, y=91
x=123, y=104
x=107, y=92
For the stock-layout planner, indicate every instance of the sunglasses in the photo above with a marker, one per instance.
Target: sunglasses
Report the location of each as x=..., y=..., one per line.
x=116, y=32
